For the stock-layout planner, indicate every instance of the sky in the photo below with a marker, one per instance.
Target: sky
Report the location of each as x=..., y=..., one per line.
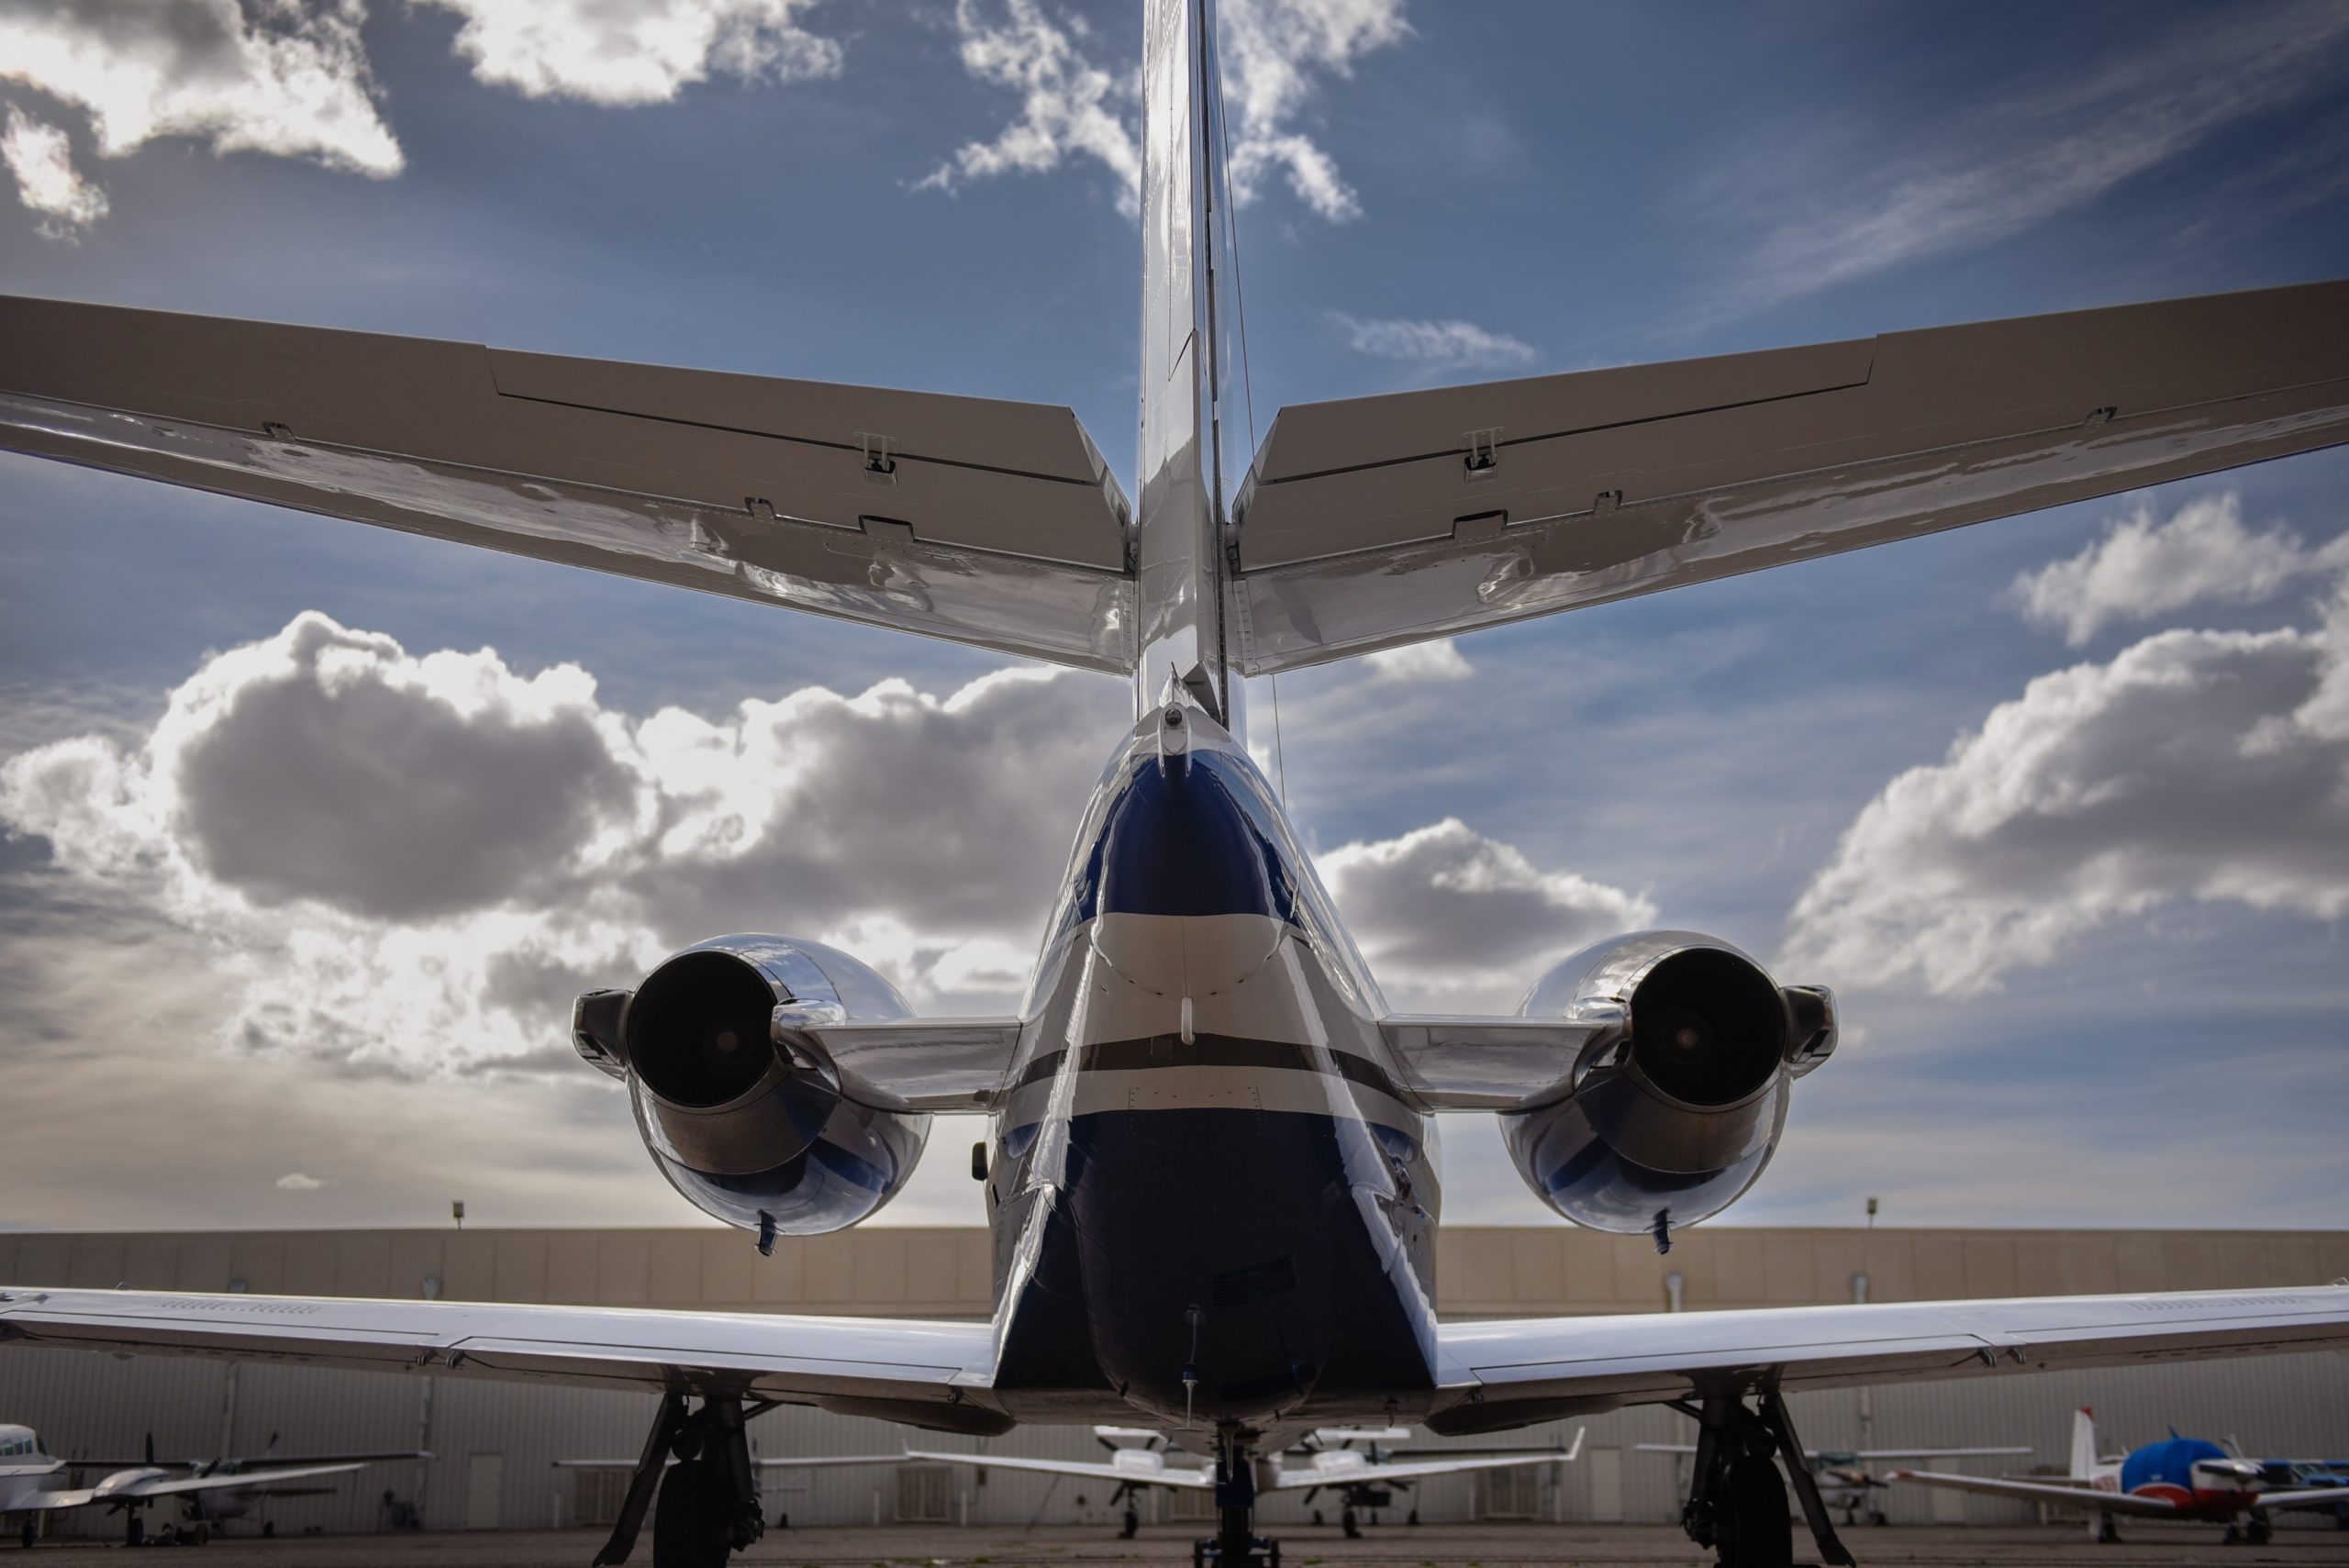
x=311, y=830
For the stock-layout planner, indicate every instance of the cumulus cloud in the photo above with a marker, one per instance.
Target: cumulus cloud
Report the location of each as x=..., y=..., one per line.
x=1070, y=106
x=1275, y=53
x=272, y=76
x=637, y=52
x=1433, y=344
x=410, y=862
x=406, y=864
x=41, y=159
x=2195, y=765
x=295, y=1181
x=2142, y=568
x=2026, y=160
x=1432, y=662
x=1451, y=919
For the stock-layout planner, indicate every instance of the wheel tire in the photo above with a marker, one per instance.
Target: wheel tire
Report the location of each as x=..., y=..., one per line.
x=2258, y=1530
x=1756, y=1532
x=689, y=1524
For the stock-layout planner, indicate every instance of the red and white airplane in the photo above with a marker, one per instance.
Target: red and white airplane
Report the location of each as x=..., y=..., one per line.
x=2178, y=1478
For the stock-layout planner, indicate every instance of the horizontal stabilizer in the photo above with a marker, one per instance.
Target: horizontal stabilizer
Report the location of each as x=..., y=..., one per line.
x=968, y=518
x=1378, y=521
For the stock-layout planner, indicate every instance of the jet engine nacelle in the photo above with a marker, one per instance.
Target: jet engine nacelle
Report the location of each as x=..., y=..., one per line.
x=1676, y=1102
x=746, y=1114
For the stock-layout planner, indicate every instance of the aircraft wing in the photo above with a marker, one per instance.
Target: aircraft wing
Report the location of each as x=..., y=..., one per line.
x=2315, y=1497
x=2085, y=1499
x=248, y=1480
x=1377, y=521
x=1422, y=1469
x=812, y=1464
x=1091, y=1470
x=1938, y=1452
x=1505, y=1374
x=923, y=1374
x=969, y=518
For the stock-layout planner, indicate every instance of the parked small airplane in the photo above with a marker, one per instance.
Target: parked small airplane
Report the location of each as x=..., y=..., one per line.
x=29, y=1477
x=1360, y=1476
x=1844, y=1476
x=235, y=1503
x=2176, y=1478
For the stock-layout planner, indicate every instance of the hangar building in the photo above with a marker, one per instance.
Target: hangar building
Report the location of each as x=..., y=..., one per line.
x=496, y=1442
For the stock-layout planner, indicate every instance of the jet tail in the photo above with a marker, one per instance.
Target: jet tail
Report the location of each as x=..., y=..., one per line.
x=2083, y=1444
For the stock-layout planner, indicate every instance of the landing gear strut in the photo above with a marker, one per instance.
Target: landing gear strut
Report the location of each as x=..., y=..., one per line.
x=1736, y=1503
x=709, y=1499
x=1236, y=1544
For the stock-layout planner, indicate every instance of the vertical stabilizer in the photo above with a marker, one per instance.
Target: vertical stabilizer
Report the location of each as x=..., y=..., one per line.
x=1178, y=547
x=2083, y=1444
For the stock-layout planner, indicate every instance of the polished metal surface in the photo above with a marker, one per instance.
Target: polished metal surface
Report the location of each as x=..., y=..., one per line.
x=994, y=523
x=800, y=1147
x=1178, y=554
x=1614, y=1148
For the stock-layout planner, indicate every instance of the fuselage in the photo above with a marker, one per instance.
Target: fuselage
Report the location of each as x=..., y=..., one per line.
x=1213, y=1201
x=2200, y=1479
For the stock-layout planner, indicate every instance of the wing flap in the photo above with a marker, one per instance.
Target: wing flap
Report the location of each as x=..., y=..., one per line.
x=977, y=520
x=798, y=1360
x=1575, y=490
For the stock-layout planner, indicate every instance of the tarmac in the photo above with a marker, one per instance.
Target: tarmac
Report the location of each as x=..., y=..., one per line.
x=1464, y=1546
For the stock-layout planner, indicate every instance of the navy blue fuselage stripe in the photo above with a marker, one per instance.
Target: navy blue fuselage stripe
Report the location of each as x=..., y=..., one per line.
x=1180, y=840
x=1209, y=1050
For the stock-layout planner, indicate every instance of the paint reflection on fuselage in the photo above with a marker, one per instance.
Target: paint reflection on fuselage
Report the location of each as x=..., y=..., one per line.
x=1211, y=1197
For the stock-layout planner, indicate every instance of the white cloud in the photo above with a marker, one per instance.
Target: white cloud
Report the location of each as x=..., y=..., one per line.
x=1450, y=920
x=1275, y=53
x=41, y=159
x=1434, y=345
x=637, y=52
x=407, y=864
x=2022, y=161
x=1432, y=662
x=2195, y=765
x=295, y=1181
x=2142, y=568
x=411, y=862
x=1070, y=106
x=275, y=76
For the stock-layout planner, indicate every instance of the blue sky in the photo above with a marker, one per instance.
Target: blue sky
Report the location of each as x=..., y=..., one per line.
x=2062, y=1013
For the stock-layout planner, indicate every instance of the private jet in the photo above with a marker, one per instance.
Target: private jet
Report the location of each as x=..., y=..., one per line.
x=1211, y=1172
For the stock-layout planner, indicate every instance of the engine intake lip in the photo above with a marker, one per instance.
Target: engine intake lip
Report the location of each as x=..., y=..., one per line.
x=1709, y=1028
x=697, y=1029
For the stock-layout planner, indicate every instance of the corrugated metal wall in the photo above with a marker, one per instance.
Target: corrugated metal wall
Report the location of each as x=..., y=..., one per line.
x=85, y=1402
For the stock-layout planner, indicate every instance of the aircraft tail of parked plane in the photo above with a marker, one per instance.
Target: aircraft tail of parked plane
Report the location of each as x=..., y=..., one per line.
x=2176, y=1478
x=1211, y=1179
